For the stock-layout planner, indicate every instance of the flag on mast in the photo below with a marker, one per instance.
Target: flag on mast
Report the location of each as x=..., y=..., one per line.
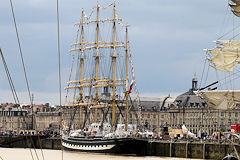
x=131, y=86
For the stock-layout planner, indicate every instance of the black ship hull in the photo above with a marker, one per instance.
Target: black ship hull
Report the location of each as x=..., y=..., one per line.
x=115, y=146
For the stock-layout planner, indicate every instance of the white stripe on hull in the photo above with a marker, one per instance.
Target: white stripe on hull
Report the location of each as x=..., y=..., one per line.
x=88, y=147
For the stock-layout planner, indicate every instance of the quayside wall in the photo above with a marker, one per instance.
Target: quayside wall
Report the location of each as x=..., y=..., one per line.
x=183, y=149
x=186, y=149
x=31, y=142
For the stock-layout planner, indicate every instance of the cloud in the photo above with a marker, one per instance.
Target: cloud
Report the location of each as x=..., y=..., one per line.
x=168, y=38
x=39, y=97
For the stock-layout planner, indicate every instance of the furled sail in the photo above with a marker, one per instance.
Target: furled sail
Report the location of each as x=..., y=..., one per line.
x=221, y=100
x=235, y=5
x=236, y=13
x=237, y=2
x=226, y=55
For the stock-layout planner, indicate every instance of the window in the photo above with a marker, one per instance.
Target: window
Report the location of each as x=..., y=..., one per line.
x=18, y=123
x=154, y=123
x=162, y=116
x=197, y=104
x=130, y=121
x=236, y=121
x=236, y=114
x=229, y=121
x=191, y=104
x=154, y=116
x=229, y=114
x=148, y=116
x=222, y=114
x=222, y=122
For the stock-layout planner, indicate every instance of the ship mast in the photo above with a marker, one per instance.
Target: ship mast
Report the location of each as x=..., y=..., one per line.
x=96, y=81
x=82, y=61
x=126, y=92
x=97, y=63
x=114, y=67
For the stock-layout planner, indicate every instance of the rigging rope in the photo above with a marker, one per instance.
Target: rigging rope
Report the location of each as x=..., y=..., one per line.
x=9, y=79
x=133, y=75
x=20, y=50
x=203, y=72
x=16, y=97
x=206, y=75
x=228, y=82
x=232, y=30
x=59, y=56
x=136, y=90
x=73, y=60
x=23, y=65
x=59, y=72
x=224, y=21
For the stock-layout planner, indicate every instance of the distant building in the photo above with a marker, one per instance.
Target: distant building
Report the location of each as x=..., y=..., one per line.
x=20, y=117
x=45, y=119
x=11, y=117
x=151, y=114
x=192, y=110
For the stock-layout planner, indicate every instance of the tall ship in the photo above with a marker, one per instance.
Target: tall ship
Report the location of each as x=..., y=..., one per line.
x=224, y=94
x=100, y=84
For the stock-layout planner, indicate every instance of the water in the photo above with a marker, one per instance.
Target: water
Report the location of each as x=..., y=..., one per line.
x=25, y=154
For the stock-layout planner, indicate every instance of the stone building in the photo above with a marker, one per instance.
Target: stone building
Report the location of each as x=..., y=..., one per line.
x=11, y=117
x=152, y=115
x=44, y=119
x=20, y=117
x=192, y=110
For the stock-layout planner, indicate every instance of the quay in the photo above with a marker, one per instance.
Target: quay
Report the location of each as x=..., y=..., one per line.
x=191, y=149
x=161, y=148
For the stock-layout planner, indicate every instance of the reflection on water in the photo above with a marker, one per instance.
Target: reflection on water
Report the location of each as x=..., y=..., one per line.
x=25, y=154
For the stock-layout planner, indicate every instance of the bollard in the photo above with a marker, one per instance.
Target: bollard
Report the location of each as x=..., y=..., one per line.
x=187, y=149
x=203, y=150
x=170, y=149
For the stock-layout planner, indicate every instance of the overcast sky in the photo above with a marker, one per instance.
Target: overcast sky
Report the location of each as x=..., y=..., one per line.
x=168, y=38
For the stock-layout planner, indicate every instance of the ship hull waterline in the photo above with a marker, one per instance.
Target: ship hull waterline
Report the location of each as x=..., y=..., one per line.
x=113, y=146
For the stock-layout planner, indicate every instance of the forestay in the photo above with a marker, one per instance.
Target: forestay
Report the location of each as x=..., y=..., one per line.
x=226, y=55
x=221, y=100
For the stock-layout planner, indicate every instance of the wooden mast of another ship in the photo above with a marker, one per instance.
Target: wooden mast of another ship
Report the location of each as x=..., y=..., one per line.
x=126, y=93
x=82, y=61
x=114, y=67
x=97, y=63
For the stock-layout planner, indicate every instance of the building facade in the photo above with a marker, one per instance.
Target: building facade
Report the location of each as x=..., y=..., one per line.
x=23, y=117
x=192, y=110
x=152, y=114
